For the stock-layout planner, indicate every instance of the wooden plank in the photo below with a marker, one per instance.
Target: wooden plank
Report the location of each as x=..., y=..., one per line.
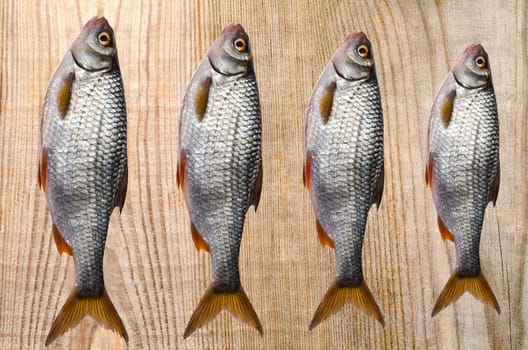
x=152, y=271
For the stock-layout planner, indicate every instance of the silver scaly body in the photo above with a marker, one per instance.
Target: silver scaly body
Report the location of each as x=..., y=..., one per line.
x=87, y=152
x=223, y=159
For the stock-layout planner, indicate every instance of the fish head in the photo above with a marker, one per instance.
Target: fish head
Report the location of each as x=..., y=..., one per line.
x=472, y=69
x=354, y=59
x=231, y=54
x=94, y=49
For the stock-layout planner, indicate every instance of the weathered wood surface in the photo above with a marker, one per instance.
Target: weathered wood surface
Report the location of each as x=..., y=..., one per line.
x=153, y=273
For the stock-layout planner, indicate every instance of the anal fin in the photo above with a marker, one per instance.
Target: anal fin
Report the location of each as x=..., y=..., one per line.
x=444, y=231
x=198, y=240
x=62, y=245
x=323, y=236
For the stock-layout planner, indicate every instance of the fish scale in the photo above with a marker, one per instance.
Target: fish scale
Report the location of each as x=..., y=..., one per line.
x=83, y=167
x=463, y=169
x=220, y=168
x=343, y=168
x=349, y=150
x=471, y=145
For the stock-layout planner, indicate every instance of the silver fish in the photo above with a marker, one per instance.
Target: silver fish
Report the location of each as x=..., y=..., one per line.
x=343, y=167
x=220, y=168
x=463, y=168
x=83, y=167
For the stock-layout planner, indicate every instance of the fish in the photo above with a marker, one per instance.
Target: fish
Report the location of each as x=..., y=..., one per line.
x=344, y=168
x=83, y=167
x=220, y=168
x=463, y=169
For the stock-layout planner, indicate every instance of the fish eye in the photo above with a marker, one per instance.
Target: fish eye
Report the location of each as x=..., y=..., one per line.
x=480, y=61
x=240, y=45
x=104, y=39
x=363, y=51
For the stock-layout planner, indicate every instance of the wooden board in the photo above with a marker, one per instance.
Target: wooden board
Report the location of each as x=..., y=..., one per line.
x=152, y=271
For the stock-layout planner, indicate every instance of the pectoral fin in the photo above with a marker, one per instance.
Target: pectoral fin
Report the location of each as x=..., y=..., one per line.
x=64, y=94
x=327, y=101
x=201, y=98
x=446, y=109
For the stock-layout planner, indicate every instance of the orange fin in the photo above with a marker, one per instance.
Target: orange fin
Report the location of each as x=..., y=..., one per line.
x=64, y=94
x=213, y=302
x=379, y=188
x=447, y=107
x=202, y=98
x=43, y=169
x=457, y=285
x=307, y=170
x=444, y=231
x=180, y=175
x=61, y=244
x=327, y=100
x=122, y=191
x=494, y=192
x=76, y=307
x=257, y=189
x=337, y=296
x=429, y=171
x=198, y=240
x=323, y=236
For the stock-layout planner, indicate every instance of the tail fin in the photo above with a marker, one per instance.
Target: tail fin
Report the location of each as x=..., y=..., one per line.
x=74, y=310
x=457, y=285
x=337, y=296
x=213, y=302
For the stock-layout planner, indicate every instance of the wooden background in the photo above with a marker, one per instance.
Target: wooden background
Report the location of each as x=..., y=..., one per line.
x=152, y=271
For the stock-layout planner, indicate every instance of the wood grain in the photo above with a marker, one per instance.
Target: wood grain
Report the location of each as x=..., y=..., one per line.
x=152, y=271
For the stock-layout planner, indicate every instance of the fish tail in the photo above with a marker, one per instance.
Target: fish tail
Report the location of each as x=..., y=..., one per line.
x=76, y=307
x=213, y=302
x=458, y=285
x=337, y=296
